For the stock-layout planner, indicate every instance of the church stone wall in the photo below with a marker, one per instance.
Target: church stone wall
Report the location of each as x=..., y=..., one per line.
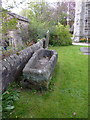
x=82, y=20
x=16, y=36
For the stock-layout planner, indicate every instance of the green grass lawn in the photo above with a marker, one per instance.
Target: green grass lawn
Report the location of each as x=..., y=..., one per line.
x=68, y=94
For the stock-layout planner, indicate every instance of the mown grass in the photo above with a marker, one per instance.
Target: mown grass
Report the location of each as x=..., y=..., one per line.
x=68, y=94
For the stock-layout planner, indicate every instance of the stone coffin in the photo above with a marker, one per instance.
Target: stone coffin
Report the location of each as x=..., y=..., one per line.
x=38, y=71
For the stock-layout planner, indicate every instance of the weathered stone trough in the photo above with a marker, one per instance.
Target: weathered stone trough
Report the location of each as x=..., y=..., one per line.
x=38, y=71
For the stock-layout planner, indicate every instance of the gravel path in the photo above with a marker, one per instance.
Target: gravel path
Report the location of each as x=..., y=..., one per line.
x=84, y=44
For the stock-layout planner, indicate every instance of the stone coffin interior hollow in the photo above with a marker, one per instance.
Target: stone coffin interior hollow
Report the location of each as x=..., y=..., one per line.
x=42, y=59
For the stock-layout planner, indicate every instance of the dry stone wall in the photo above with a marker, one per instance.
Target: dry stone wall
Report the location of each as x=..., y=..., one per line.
x=13, y=65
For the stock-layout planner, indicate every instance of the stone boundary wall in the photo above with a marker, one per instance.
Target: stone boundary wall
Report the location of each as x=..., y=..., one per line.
x=13, y=65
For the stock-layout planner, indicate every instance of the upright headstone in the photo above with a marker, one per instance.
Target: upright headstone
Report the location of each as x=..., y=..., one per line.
x=47, y=39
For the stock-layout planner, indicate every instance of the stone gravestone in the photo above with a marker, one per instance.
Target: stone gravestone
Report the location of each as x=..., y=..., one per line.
x=85, y=50
x=47, y=39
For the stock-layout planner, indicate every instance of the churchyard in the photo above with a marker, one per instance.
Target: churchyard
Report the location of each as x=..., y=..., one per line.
x=44, y=56
x=67, y=96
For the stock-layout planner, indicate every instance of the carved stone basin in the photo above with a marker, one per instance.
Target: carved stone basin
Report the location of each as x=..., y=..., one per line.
x=38, y=71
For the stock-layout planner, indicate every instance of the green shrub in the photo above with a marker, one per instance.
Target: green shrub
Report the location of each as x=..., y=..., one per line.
x=59, y=35
x=8, y=98
x=83, y=40
x=37, y=30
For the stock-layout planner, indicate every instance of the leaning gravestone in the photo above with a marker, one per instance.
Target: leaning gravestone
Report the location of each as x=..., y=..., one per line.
x=38, y=71
x=85, y=50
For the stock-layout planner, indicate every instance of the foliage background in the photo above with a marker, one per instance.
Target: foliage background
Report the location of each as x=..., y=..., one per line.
x=44, y=17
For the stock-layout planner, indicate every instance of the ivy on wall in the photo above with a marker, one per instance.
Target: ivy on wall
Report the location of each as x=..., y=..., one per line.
x=7, y=22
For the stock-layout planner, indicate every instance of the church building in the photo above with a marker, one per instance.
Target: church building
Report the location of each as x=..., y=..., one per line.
x=82, y=20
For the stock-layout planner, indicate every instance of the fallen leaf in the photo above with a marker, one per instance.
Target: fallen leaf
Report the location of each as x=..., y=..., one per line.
x=74, y=113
